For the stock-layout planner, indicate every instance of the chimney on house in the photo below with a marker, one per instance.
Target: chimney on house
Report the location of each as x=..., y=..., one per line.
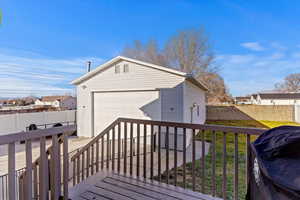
x=89, y=66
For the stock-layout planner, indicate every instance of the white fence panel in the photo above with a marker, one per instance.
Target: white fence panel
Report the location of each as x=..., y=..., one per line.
x=11, y=123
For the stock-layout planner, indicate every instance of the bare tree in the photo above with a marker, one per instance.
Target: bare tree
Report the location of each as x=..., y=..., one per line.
x=148, y=52
x=291, y=83
x=188, y=51
x=217, y=90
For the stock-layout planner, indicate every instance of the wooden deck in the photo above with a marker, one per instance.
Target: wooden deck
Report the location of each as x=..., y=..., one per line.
x=107, y=185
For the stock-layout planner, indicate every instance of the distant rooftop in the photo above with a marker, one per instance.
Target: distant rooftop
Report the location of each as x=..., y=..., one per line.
x=54, y=98
x=279, y=95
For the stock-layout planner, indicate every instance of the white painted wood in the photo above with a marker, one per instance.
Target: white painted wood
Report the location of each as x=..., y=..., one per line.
x=11, y=171
x=28, y=177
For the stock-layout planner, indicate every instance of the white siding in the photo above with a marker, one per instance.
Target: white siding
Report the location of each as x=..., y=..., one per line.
x=193, y=94
x=139, y=77
x=172, y=104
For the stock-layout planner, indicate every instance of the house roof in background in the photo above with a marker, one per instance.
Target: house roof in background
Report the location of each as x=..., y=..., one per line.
x=243, y=98
x=158, y=67
x=279, y=95
x=54, y=98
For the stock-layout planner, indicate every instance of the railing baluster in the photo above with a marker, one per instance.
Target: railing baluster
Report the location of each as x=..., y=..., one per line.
x=35, y=181
x=131, y=149
x=138, y=152
x=83, y=166
x=167, y=153
x=102, y=152
x=65, y=166
x=203, y=161
x=78, y=169
x=11, y=171
x=125, y=148
x=43, y=166
x=236, y=166
x=88, y=162
x=97, y=156
x=213, y=163
x=175, y=156
x=145, y=151
x=159, y=153
x=113, y=149
x=107, y=150
x=119, y=147
x=224, y=185
x=28, y=177
x=193, y=159
x=74, y=172
x=21, y=187
x=92, y=159
x=151, y=151
x=247, y=158
x=184, y=157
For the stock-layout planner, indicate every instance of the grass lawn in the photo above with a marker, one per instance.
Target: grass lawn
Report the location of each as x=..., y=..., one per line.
x=242, y=187
x=252, y=123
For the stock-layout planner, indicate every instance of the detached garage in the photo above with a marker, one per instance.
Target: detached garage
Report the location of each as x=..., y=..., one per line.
x=124, y=87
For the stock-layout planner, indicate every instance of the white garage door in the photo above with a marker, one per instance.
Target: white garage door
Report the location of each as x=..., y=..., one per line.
x=108, y=106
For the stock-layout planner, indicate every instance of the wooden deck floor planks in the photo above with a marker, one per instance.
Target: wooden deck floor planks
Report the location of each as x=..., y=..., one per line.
x=120, y=187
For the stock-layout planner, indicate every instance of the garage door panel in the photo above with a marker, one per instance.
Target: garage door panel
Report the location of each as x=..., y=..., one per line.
x=108, y=106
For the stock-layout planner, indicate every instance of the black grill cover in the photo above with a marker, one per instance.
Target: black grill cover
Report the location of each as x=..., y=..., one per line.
x=274, y=165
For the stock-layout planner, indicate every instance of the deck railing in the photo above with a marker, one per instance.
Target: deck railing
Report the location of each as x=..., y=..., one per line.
x=37, y=175
x=151, y=149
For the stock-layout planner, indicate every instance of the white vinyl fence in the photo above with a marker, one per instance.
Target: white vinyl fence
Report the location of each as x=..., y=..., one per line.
x=12, y=123
x=297, y=113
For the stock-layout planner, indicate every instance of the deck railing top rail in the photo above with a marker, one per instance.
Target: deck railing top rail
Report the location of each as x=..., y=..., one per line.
x=233, y=129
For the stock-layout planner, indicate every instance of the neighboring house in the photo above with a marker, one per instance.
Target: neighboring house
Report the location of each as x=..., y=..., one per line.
x=278, y=99
x=243, y=100
x=124, y=87
x=65, y=102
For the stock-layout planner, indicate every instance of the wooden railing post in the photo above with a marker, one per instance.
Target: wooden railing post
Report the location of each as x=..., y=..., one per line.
x=43, y=167
x=11, y=171
x=55, y=169
x=28, y=177
x=65, y=166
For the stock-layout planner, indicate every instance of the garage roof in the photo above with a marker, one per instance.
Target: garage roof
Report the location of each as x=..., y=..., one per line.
x=107, y=64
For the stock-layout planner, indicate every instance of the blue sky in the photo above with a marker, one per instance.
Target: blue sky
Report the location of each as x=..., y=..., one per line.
x=45, y=44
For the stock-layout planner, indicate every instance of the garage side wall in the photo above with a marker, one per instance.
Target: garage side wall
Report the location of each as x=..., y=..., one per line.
x=172, y=104
x=138, y=77
x=194, y=95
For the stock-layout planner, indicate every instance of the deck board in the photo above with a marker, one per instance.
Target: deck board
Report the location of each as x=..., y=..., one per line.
x=125, y=192
x=108, y=185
